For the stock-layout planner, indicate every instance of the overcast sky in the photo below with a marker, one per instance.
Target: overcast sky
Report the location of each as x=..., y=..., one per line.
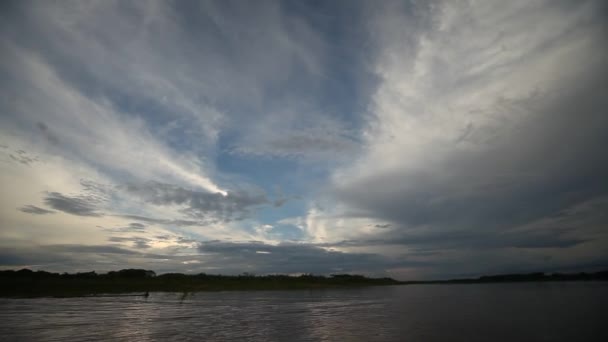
x=418, y=140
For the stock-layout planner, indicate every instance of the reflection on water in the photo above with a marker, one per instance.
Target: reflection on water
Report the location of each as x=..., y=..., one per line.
x=483, y=312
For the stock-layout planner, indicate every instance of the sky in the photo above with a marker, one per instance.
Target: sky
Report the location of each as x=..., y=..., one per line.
x=410, y=139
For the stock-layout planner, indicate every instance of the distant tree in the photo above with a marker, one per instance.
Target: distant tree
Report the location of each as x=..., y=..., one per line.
x=133, y=273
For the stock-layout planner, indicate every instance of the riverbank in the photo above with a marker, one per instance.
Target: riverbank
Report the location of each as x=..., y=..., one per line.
x=26, y=283
x=521, y=277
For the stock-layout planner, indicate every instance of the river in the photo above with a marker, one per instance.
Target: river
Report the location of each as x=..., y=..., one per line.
x=574, y=311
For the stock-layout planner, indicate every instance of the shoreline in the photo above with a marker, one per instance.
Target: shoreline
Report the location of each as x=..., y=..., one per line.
x=132, y=282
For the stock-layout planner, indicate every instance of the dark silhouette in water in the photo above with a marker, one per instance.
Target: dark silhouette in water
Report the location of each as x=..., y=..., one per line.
x=183, y=297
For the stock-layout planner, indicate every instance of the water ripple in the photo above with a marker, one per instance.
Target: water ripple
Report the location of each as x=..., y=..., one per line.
x=499, y=312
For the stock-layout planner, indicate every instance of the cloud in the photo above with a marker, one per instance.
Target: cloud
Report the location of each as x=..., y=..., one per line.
x=474, y=240
x=280, y=202
x=22, y=157
x=478, y=131
x=133, y=227
x=76, y=258
x=95, y=249
x=235, y=205
x=291, y=258
x=136, y=225
x=81, y=206
x=505, y=182
x=137, y=242
x=212, y=256
x=445, y=135
x=32, y=209
x=129, y=145
x=324, y=142
x=44, y=129
x=185, y=101
x=162, y=221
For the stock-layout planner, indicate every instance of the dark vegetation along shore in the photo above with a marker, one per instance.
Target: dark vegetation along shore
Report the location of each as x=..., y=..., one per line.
x=521, y=277
x=28, y=283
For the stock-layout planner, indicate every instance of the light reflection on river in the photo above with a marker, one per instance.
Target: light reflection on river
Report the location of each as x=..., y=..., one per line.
x=490, y=312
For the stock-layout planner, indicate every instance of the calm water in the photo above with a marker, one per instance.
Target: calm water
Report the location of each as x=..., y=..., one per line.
x=490, y=312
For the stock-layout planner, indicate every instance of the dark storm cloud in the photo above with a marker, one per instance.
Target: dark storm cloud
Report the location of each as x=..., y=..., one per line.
x=94, y=249
x=32, y=209
x=23, y=257
x=74, y=258
x=81, y=206
x=551, y=161
x=545, y=244
x=198, y=204
x=472, y=239
x=293, y=258
x=216, y=256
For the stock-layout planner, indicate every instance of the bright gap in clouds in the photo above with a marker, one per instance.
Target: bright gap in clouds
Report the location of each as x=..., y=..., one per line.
x=408, y=139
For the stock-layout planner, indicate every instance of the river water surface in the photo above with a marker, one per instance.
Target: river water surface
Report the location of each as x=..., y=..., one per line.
x=575, y=311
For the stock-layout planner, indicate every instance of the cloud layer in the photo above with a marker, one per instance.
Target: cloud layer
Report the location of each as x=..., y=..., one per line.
x=416, y=139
